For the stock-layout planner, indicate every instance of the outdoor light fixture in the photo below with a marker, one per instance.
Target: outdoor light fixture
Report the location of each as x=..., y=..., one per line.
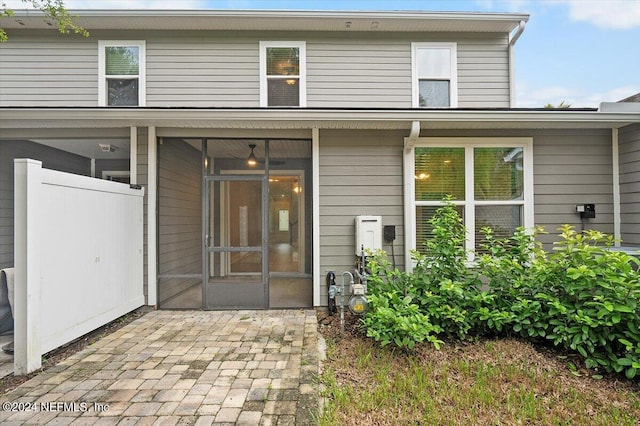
x=252, y=160
x=105, y=147
x=296, y=187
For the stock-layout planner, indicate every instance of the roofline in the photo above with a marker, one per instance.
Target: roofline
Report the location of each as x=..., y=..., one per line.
x=51, y=117
x=281, y=20
x=284, y=13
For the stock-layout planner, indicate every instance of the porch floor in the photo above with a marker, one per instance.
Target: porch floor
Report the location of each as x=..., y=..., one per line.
x=186, y=367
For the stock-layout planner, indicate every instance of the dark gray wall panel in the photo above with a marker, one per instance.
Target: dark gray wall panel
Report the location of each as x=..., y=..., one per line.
x=51, y=158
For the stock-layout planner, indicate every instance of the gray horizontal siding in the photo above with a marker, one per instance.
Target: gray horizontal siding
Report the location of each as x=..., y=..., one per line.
x=221, y=72
x=360, y=174
x=358, y=72
x=48, y=71
x=51, y=159
x=361, y=72
x=570, y=168
x=629, y=157
x=205, y=69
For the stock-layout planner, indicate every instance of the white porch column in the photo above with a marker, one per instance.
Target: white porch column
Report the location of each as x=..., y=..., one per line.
x=133, y=155
x=27, y=260
x=152, y=215
x=315, y=165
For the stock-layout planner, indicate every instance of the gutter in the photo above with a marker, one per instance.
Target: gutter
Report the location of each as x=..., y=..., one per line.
x=513, y=38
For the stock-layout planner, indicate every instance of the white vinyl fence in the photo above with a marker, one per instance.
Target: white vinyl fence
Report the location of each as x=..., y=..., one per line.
x=78, y=258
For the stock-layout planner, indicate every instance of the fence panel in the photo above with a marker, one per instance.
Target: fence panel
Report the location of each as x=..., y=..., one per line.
x=78, y=257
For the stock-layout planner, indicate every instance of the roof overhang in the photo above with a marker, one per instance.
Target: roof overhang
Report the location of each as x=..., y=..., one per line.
x=275, y=20
x=272, y=118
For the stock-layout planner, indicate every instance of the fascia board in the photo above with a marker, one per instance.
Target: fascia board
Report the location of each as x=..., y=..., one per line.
x=298, y=20
x=116, y=117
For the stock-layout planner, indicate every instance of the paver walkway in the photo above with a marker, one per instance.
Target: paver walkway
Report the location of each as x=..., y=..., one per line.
x=182, y=367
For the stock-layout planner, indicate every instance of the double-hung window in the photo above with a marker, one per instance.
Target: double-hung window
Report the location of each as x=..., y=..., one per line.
x=490, y=181
x=283, y=73
x=435, y=75
x=122, y=73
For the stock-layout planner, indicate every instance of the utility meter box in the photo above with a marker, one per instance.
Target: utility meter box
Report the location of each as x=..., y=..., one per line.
x=368, y=233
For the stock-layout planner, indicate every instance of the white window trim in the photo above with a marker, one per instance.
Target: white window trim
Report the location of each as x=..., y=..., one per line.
x=469, y=144
x=453, y=81
x=264, y=96
x=142, y=70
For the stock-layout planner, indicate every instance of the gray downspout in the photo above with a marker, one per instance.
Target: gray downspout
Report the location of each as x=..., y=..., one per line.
x=512, y=41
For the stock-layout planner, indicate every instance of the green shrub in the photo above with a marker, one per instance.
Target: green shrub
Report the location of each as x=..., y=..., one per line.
x=440, y=289
x=581, y=297
x=393, y=318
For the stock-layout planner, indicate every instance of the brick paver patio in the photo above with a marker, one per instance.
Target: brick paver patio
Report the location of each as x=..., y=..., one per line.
x=182, y=367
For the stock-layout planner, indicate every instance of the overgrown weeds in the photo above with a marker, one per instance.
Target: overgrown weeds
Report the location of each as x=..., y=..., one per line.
x=490, y=381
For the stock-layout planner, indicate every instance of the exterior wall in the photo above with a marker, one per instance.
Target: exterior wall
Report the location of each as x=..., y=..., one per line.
x=179, y=217
x=570, y=167
x=629, y=156
x=360, y=174
x=213, y=69
x=40, y=69
x=51, y=158
x=364, y=70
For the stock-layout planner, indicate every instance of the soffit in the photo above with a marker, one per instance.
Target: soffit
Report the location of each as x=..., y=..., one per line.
x=269, y=20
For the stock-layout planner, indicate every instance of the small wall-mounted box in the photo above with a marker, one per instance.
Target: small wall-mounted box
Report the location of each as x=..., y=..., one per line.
x=587, y=211
x=368, y=233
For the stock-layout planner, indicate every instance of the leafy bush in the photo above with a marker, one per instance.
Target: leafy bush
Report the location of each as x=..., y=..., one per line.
x=397, y=320
x=440, y=289
x=581, y=297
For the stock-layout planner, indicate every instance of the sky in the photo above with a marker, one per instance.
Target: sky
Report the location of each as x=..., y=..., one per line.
x=580, y=52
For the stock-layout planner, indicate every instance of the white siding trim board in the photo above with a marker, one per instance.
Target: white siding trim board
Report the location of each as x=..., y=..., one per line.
x=152, y=218
x=617, y=217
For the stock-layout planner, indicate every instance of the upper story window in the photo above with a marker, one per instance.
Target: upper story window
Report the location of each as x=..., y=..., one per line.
x=283, y=73
x=435, y=75
x=122, y=73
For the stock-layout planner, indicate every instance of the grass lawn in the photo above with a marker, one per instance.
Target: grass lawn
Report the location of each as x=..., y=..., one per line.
x=489, y=382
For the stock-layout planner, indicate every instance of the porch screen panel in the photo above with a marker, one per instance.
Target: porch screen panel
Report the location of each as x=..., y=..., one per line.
x=179, y=224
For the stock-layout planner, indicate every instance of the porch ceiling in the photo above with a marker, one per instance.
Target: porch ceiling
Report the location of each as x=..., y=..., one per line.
x=273, y=119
